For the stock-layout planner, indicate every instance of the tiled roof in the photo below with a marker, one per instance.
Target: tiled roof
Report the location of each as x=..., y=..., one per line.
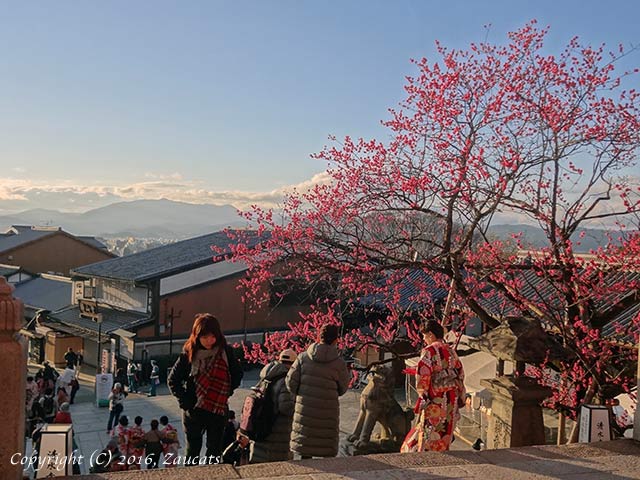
x=93, y=241
x=537, y=289
x=20, y=234
x=411, y=290
x=622, y=327
x=615, y=295
x=542, y=292
x=111, y=319
x=47, y=291
x=161, y=261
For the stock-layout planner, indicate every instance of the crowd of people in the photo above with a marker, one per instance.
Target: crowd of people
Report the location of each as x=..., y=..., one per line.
x=132, y=447
x=48, y=397
x=303, y=391
x=48, y=393
x=299, y=395
x=136, y=375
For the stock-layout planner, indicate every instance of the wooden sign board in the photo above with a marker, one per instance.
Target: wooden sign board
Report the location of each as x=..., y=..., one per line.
x=89, y=310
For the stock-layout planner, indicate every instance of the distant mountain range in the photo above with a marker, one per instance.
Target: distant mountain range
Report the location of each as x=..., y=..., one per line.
x=166, y=219
x=140, y=218
x=533, y=237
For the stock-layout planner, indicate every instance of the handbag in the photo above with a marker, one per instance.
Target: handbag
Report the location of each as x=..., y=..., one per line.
x=235, y=454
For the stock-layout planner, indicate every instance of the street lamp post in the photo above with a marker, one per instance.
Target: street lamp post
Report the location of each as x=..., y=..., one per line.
x=170, y=338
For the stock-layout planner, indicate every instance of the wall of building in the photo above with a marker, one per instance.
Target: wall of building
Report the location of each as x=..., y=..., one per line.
x=57, y=253
x=224, y=300
x=56, y=345
x=197, y=276
x=124, y=295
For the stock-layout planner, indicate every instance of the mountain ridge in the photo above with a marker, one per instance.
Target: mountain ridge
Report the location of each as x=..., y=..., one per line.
x=141, y=218
x=172, y=220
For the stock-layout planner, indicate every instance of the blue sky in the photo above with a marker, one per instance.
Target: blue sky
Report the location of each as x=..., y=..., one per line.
x=224, y=102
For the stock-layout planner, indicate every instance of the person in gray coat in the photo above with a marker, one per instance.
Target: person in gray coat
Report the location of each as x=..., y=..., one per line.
x=275, y=448
x=316, y=379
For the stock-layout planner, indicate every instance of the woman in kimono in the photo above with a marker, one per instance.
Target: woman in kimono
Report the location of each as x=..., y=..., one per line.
x=136, y=445
x=440, y=386
x=121, y=435
x=170, y=443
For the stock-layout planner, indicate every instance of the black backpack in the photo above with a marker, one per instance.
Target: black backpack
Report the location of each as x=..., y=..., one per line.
x=258, y=410
x=48, y=406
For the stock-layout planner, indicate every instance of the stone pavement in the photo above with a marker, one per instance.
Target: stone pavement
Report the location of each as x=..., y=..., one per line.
x=616, y=460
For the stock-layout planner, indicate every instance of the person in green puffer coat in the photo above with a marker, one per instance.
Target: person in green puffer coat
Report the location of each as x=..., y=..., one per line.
x=316, y=379
x=275, y=448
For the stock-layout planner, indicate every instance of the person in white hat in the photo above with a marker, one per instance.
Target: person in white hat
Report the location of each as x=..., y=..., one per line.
x=116, y=405
x=275, y=447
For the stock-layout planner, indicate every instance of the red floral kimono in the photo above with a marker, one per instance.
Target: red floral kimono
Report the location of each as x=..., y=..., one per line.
x=121, y=435
x=136, y=447
x=171, y=447
x=440, y=384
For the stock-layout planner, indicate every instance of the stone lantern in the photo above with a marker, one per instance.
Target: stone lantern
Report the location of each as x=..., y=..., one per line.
x=516, y=418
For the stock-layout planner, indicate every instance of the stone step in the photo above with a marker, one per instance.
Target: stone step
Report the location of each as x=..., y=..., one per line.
x=618, y=459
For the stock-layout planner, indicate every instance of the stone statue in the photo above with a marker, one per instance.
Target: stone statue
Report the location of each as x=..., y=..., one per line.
x=378, y=405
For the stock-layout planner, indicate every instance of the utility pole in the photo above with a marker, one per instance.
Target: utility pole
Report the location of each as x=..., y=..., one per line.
x=89, y=309
x=172, y=317
x=98, y=320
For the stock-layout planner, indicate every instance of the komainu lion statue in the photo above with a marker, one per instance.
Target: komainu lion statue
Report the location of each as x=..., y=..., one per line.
x=378, y=404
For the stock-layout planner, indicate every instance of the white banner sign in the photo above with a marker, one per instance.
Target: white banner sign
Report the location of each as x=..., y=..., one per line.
x=104, y=382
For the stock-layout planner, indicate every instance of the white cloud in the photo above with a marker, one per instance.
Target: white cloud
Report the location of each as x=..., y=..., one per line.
x=20, y=194
x=164, y=176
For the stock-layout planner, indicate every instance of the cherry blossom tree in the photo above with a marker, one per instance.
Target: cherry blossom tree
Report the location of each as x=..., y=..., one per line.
x=401, y=232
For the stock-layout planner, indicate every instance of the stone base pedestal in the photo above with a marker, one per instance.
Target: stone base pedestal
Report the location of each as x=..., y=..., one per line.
x=348, y=449
x=516, y=415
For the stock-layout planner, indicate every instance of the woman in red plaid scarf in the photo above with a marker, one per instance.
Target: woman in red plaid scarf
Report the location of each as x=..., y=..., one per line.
x=202, y=379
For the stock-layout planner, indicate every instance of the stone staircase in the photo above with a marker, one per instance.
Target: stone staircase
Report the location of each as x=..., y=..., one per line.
x=615, y=460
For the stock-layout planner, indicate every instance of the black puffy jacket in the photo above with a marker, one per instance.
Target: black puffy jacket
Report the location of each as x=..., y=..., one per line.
x=182, y=385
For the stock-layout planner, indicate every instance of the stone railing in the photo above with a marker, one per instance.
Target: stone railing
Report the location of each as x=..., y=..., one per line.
x=13, y=368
